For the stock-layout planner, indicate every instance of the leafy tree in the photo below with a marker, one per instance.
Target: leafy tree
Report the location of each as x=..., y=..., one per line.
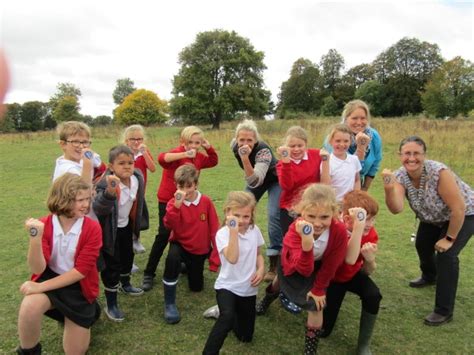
x=331, y=66
x=141, y=107
x=13, y=116
x=102, y=120
x=451, y=89
x=401, y=96
x=358, y=75
x=64, y=90
x=373, y=93
x=221, y=75
x=302, y=91
x=33, y=114
x=123, y=88
x=329, y=107
x=87, y=119
x=66, y=109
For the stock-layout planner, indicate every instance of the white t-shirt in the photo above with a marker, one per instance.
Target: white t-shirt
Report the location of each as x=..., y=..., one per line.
x=68, y=166
x=127, y=196
x=237, y=277
x=343, y=173
x=64, y=246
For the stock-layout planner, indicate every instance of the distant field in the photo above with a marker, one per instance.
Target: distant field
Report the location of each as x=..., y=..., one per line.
x=27, y=162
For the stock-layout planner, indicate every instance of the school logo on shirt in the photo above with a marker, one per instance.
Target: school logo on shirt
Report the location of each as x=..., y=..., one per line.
x=202, y=217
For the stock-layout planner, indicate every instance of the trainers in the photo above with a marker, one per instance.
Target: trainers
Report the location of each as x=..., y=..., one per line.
x=147, y=283
x=420, y=282
x=288, y=305
x=138, y=247
x=212, y=312
x=135, y=268
x=114, y=313
x=130, y=290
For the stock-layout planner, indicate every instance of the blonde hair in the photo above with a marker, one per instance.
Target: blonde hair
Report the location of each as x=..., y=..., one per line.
x=317, y=195
x=240, y=199
x=190, y=131
x=353, y=105
x=63, y=192
x=131, y=129
x=296, y=132
x=71, y=128
x=247, y=125
x=340, y=127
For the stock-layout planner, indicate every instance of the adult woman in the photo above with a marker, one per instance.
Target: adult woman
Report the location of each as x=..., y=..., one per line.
x=366, y=142
x=256, y=158
x=444, y=204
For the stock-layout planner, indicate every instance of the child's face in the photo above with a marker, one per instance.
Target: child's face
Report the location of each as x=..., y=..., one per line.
x=319, y=216
x=122, y=166
x=190, y=190
x=349, y=223
x=74, y=145
x=81, y=204
x=134, y=139
x=297, y=147
x=246, y=138
x=194, y=142
x=340, y=143
x=244, y=217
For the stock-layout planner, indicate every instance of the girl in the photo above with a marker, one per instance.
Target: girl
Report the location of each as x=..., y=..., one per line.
x=62, y=255
x=297, y=168
x=238, y=243
x=313, y=249
x=134, y=138
x=340, y=169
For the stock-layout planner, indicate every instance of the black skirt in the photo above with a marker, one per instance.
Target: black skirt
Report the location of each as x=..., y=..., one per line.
x=296, y=286
x=69, y=302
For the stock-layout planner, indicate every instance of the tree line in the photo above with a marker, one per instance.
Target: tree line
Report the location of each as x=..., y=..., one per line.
x=221, y=78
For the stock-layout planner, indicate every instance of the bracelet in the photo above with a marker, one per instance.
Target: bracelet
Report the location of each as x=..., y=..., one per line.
x=449, y=238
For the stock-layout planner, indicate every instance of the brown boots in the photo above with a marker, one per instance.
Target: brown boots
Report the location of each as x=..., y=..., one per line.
x=271, y=273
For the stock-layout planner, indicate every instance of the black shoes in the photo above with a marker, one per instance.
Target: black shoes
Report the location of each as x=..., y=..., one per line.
x=435, y=319
x=421, y=282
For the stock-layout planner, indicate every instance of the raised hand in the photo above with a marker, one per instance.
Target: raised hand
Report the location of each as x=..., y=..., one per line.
x=284, y=152
x=362, y=140
x=305, y=230
x=324, y=154
x=358, y=214
x=388, y=178
x=34, y=227
x=232, y=223
x=112, y=183
x=205, y=144
x=244, y=151
x=191, y=153
x=179, y=198
x=142, y=148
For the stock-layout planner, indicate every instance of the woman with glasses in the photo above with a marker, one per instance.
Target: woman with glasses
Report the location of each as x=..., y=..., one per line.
x=444, y=204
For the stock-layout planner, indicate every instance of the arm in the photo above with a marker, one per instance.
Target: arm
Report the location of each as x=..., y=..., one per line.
x=231, y=252
x=394, y=192
x=451, y=195
x=66, y=279
x=353, y=246
x=171, y=157
x=106, y=197
x=325, y=168
x=285, y=177
x=172, y=218
x=357, y=181
x=87, y=167
x=294, y=258
x=368, y=252
x=210, y=160
x=367, y=182
x=258, y=276
x=150, y=164
x=254, y=176
x=35, y=259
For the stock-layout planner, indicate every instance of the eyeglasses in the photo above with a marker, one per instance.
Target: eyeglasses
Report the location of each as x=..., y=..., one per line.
x=77, y=144
x=135, y=139
x=411, y=154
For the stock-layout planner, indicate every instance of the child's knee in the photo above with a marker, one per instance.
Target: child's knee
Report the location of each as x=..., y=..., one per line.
x=34, y=305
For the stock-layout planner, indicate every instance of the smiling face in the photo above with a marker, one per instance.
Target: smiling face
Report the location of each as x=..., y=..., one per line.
x=81, y=204
x=319, y=216
x=74, y=145
x=357, y=120
x=340, y=143
x=412, y=157
x=297, y=147
x=246, y=138
x=243, y=215
x=122, y=166
x=194, y=142
x=134, y=139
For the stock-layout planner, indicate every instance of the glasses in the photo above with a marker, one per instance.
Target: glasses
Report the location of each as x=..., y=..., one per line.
x=136, y=140
x=412, y=154
x=77, y=144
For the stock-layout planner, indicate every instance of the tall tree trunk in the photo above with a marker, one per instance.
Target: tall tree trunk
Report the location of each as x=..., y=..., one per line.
x=216, y=119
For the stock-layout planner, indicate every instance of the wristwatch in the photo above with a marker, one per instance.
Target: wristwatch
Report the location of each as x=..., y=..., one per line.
x=449, y=238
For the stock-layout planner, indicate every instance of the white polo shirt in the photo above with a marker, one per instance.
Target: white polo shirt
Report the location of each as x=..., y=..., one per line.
x=127, y=196
x=68, y=166
x=320, y=245
x=343, y=173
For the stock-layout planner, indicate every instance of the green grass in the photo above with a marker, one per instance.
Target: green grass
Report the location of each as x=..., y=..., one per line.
x=27, y=162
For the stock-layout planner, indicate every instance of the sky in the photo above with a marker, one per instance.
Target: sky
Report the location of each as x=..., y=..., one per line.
x=92, y=43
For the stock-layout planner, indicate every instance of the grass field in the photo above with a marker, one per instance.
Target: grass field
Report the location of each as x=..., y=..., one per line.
x=27, y=162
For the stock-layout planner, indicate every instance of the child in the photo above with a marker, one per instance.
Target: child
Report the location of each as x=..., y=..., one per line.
x=119, y=207
x=297, y=168
x=78, y=158
x=192, y=138
x=353, y=274
x=313, y=248
x=62, y=255
x=340, y=169
x=134, y=137
x=192, y=220
x=238, y=242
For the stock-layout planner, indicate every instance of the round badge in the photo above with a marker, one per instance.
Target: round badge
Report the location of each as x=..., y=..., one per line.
x=363, y=141
x=33, y=231
x=360, y=215
x=307, y=229
x=242, y=151
x=178, y=196
x=284, y=154
x=88, y=154
x=113, y=183
x=232, y=223
x=387, y=180
x=324, y=158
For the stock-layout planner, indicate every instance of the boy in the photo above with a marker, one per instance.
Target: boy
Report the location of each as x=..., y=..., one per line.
x=119, y=207
x=192, y=138
x=78, y=158
x=193, y=222
x=358, y=212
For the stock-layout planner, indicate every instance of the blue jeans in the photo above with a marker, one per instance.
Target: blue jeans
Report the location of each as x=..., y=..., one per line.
x=273, y=211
